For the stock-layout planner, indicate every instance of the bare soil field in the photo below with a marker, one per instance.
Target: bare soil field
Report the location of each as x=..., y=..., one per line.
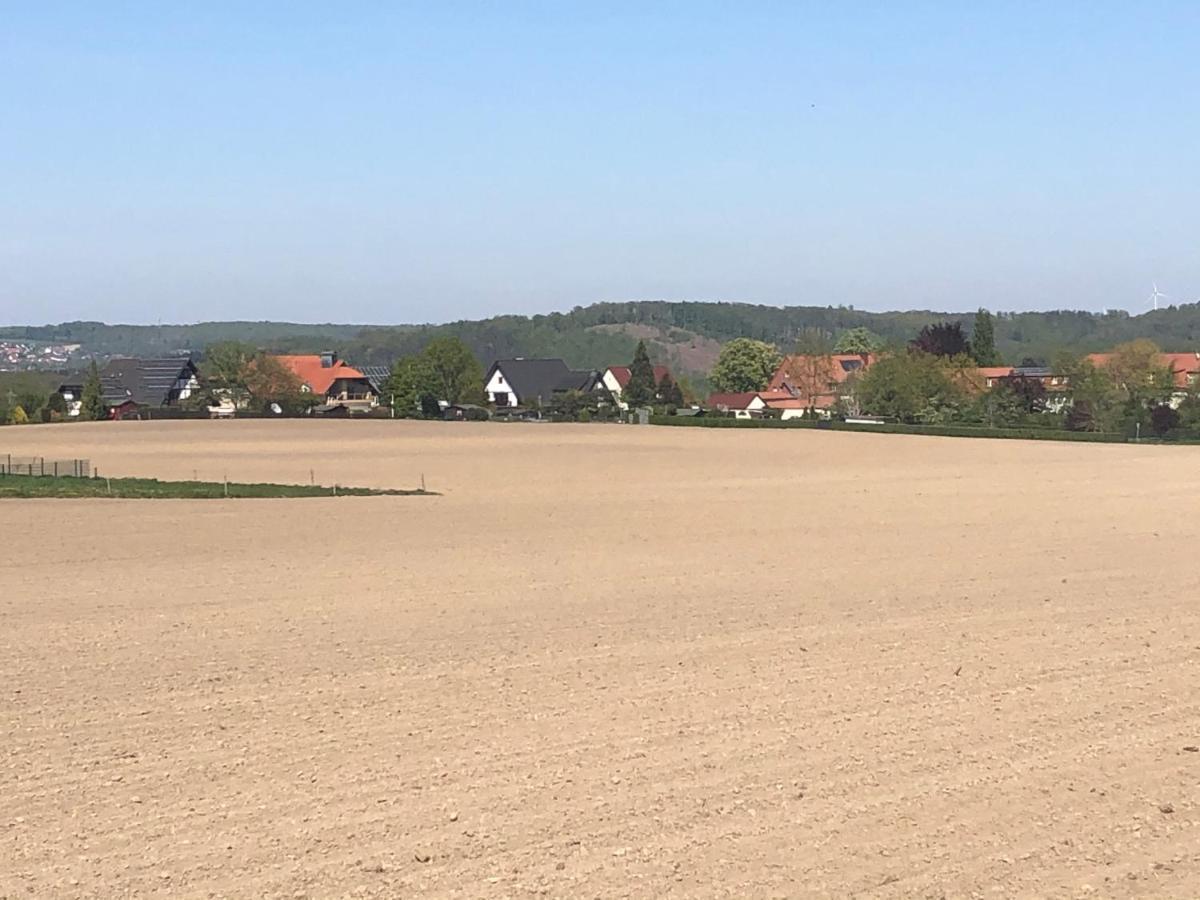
x=605, y=662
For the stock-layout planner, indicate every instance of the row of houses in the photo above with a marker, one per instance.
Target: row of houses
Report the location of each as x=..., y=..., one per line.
x=805, y=382
x=130, y=386
x=532, y=383
x=800, y=384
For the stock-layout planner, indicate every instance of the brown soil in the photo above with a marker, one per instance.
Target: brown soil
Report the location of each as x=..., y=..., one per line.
x=608, y=661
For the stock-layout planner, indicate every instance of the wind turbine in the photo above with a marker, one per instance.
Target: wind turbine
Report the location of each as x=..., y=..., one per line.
x=1155, y=295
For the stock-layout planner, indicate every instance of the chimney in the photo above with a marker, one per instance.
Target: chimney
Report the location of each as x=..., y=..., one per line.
x=328, y=359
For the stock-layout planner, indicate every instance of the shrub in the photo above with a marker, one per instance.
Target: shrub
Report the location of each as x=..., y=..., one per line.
x=1163, y=420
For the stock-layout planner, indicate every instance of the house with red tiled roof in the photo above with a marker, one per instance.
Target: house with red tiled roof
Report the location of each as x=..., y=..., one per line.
x=1185, y=367
x=327, y=376
x=615, y=379
x=819, y=381
x=756, y=404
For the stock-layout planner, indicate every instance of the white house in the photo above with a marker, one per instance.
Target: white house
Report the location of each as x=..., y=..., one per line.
x=534, y=382
x=615, y=379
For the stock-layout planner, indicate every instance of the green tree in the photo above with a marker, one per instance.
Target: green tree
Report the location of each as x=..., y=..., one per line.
x=858, y=340
x=670, y=392
x=1094, y=401
x=983, y=340
x=91, y=404
x=225, y=372
x=745, y=365
x=455, y=373
x=266, y=381
x=18, y=416
x=941, y=339
x=641, y=389
x=55, y=406
x=411, y=380
x=911, y=387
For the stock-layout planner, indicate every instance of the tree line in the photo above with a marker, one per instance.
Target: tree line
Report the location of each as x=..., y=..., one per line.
x=936, y=379
x=595, y=336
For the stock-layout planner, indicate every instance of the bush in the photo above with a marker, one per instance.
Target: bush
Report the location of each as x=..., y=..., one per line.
x=585, y=415
x=1163, y=420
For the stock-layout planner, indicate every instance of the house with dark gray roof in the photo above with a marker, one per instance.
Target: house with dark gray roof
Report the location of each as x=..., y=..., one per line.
x=534, y=382
x=128, y=384
x=377, y=376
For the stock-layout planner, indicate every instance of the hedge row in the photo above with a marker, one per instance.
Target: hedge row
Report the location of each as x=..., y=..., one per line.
x=1036, y=434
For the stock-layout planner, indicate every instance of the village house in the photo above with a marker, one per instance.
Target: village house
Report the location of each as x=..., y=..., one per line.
x=615, y=379
x=817, y=382
x=1185, y=367
x=128, y=386
x=340, y=385
x=534, y=382
x=757, y=404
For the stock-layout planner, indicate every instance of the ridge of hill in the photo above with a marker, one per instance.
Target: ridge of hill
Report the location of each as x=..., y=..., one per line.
x=685, y=335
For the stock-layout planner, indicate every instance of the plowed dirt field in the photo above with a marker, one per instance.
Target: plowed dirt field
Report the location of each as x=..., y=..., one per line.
x=605, y=662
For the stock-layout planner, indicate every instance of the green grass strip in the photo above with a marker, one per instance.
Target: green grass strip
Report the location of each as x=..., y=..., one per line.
x=35, y=487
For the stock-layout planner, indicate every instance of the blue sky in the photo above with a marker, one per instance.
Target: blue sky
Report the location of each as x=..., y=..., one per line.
x=389, y=162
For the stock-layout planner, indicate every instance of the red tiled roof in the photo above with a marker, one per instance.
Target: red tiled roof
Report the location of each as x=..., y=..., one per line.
x=841, y=367
x=995, y=371
x=788, y=403
x=319, y=378
x=1185, y=365
x=622, y=374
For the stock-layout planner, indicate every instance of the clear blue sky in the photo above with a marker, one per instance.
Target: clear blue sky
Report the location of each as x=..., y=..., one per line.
x=389, y=162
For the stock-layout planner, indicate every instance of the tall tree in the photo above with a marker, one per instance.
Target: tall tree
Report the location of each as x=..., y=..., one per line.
x=983, y=339
x=1093, y=396
x=224, y=372
x=670, y=392
x=745, y=365
x=411, y=381
x=859, y=340
x=642, y=388
x=941, y=339
x=266, y=380
x=91, y=405
x=456, y=373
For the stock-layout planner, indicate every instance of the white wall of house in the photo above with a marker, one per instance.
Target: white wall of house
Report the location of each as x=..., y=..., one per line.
x=74, y=404
x=185, y=386
x=613, y=387
x=498, y=384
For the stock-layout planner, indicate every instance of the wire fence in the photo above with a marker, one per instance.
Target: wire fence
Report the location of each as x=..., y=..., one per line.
x=40, y=466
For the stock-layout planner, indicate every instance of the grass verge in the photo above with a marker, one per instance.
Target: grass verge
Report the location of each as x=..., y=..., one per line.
x=36, y=487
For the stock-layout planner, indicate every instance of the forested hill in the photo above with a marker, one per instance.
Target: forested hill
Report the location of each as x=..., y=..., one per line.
x=684, y=334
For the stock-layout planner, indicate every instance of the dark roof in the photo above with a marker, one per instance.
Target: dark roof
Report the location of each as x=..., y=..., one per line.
x=534, y=379
x=146, y=382
x=377, y=375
